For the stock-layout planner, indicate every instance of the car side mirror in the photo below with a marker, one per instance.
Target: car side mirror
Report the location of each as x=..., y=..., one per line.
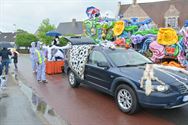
x=103, y=64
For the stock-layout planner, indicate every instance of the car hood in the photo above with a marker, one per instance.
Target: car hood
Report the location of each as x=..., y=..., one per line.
x=168, y=76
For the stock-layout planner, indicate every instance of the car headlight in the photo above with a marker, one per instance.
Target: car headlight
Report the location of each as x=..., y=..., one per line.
x=161, y=88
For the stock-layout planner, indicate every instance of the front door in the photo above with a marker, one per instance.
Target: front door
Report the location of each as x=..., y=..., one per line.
x=96, y=75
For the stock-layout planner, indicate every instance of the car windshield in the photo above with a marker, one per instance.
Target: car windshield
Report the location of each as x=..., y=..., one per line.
x=123, y=57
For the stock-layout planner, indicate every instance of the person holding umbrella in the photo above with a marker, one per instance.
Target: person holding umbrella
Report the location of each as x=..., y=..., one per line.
x=4, y=59
x=54, y=43
x=1, y=69
x=15, y=58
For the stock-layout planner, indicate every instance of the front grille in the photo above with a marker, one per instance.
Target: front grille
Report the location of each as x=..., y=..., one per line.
x=182, y=89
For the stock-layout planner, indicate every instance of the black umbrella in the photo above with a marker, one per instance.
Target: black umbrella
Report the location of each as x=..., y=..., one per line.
x=6, y=45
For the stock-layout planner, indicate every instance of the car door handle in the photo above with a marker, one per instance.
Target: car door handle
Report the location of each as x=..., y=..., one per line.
x=112, y=76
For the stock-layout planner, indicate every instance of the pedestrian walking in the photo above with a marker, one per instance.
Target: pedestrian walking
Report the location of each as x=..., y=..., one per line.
x=32, y=56
x=1, y=68
x=40, y=57
x=15, y=58
x=4, y=63
x=1, y=80
x=4, y=59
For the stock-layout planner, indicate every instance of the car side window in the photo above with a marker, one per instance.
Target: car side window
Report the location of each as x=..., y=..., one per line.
x=96, y=57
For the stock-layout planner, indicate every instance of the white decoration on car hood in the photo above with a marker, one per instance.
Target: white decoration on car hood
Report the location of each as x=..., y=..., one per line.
x=148, y=77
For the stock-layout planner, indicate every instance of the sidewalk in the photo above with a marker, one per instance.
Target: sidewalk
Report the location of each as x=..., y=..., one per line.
x=16, y=109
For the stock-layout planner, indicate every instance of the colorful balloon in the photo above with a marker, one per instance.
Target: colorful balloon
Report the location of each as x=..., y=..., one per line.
x=120, y=42
x=172, y=50
x=167, y=36
x=157, y=50
x=118, y=28
x=92, y=12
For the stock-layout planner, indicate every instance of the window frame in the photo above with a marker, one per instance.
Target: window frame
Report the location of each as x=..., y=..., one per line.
x=171, y=20
x=95, y=64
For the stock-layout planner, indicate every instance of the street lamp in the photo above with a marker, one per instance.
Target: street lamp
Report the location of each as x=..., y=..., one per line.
x=14, y=25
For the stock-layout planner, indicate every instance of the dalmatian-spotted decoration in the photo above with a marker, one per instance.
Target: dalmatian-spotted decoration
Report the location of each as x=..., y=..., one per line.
x=78, y=56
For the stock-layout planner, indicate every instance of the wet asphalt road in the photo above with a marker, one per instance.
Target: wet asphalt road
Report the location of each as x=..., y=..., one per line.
x=16, y=109
x=86, y=106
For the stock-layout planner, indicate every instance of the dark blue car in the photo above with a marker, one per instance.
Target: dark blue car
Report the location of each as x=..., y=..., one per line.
x=118, y=72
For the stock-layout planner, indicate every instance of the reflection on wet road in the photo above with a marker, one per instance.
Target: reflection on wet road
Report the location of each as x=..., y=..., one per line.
x=86, y=106
x=16, y=109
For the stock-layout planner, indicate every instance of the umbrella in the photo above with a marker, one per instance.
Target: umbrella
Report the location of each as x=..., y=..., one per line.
x=92, y=11
x=53, y=33
x=6, y=45
x=14, y=50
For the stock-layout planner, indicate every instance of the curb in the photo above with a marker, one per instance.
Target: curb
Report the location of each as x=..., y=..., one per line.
x=43, y=110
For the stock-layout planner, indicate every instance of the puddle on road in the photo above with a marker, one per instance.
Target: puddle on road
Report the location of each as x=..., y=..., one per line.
x=40, y=106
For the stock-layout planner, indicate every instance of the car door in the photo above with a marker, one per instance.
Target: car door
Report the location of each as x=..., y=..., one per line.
x=95, y=74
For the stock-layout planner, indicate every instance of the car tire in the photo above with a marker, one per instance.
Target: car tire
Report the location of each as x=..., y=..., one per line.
x=126, y=99
x=72, y=80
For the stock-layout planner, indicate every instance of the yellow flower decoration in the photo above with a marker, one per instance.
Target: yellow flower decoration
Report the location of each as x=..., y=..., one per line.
x=118, y=28
x=167, y=36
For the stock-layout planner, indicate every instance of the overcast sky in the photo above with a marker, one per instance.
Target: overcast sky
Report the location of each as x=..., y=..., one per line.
x=28, y=14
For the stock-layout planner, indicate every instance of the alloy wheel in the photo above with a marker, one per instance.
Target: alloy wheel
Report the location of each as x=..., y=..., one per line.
x=124, y=99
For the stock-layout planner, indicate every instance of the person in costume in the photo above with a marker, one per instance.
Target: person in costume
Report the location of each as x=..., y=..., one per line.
x=40, y=57
x=32, y=56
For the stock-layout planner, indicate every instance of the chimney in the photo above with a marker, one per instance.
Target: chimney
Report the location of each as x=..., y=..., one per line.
x=74, y=21
x=119, y=3
x=118, y=9
x=134, y=2
x=172, y=1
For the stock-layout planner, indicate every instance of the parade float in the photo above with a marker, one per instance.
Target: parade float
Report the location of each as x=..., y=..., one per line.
x=166, y=46
x=55, y=54
x=99, y=60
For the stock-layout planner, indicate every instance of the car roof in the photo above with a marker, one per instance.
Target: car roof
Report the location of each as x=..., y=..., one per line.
x=78, y=40
x=109, y=50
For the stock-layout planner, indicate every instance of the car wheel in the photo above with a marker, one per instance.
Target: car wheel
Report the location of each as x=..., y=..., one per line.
x=72, y=80
x=126, y=99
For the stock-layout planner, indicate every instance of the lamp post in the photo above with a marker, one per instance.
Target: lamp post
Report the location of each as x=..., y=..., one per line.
x=15, y=28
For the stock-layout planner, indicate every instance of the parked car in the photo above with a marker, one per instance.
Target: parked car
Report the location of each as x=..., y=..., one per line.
x=118, y=72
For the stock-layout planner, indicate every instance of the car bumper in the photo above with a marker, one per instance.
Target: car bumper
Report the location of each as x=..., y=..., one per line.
x=162, y=100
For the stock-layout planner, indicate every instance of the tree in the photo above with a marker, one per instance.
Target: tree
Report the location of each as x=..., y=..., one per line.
x=63, y=41
x=24, y=39
x=44, y=27
x=18, y=31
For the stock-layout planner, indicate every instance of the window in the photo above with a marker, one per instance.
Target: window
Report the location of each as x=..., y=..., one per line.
x=96, y=57
x=127, y=58
x=171, y=22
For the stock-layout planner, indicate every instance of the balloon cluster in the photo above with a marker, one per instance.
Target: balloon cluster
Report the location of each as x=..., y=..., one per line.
x=111, y=29
x=140, y=35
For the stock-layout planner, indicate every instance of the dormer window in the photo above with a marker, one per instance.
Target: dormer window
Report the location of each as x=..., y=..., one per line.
x=171, y=22
x=171, y=17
